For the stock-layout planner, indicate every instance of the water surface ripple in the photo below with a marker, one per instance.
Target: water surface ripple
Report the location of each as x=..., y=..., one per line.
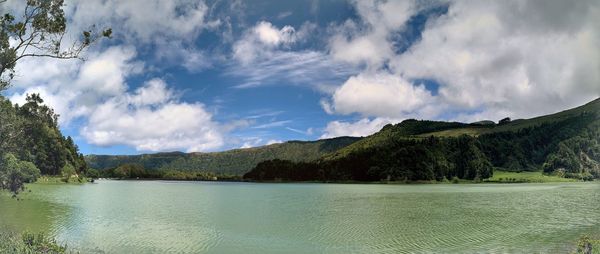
x=207, y=217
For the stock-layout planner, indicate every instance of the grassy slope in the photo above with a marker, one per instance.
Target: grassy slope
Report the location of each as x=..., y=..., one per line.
x=406, y=129
x=593, y=106
x=525, y=177
x=237, y=161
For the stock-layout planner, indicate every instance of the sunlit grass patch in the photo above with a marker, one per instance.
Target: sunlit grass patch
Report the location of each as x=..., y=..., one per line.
x=525, y=177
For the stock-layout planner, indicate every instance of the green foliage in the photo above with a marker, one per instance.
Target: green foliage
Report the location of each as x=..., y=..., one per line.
x=408, y=129
x=67, y=172
x=400, y=160
x=92, y=173
x=33, y=143
x=29, y=243
x=578, y=156
x=233, y=162
x=129, y=171
x=14, y=173
x=38, y=31
x=525, y=177
x=137, y=171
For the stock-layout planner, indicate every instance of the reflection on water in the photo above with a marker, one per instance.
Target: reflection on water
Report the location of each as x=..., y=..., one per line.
x=193, y=217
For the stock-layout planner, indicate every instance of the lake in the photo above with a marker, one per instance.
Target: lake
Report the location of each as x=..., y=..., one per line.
x=217, y=217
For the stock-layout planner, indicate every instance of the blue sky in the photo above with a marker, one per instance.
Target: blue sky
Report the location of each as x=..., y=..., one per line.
x=203, y=76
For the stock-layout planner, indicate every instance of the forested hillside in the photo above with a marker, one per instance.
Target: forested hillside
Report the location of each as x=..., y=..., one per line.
x=232, y=162
x=566, y=144
x=31, y=144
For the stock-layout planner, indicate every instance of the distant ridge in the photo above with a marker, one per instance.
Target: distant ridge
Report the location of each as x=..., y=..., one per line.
x=233, y=162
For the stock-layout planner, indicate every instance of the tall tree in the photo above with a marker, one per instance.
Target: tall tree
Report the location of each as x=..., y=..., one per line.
x=30, y=140
x=38, y=31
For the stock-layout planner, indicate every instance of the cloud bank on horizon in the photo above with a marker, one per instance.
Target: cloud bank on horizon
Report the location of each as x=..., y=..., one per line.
x=213, y=75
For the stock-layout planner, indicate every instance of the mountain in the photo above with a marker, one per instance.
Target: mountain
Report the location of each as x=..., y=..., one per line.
x=232, y=162
x=565, y=143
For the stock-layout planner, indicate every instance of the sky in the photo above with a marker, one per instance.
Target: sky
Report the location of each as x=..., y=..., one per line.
x=202, y=76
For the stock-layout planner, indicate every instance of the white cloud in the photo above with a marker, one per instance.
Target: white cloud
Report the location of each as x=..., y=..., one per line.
x=250, y=142
x=170, y=27
x=292, y=67
x=264, y=39
x=369, y=42
x=382, y=95
x=152, y=119
x=519, y=58
x=149, y=118
x=105, y=73
x=491, y=59
x=274, y=141
x=272, y=124
x=73, y=88
x=360, y=128
x=143, y=20
x=265, y=55
x=270, y=35
x=307, y=132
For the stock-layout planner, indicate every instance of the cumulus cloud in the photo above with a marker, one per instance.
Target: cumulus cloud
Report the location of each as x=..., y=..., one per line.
x=491, y=60
x=263, y=40
x=382, y=95
x=525, y=58
x=368, y=41
x=274, y=141
x=143, y=20
x=149, y=118
x=152, y=119
x=360, y=128
x=73, y=88
x=171, y=27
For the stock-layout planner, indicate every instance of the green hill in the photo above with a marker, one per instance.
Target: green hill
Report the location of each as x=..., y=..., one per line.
x=419, y=129
x=233, y=162
x=566, y=144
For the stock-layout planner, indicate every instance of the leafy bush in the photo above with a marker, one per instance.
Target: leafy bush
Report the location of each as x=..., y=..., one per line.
x=29, y=243
x=14, y=173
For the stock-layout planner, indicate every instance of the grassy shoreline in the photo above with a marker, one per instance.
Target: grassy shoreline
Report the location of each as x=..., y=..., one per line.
x=500, y=177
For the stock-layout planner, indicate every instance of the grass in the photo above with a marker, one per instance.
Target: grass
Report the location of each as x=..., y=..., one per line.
x=60, y=180
x=11, y=243
x=525, y=177
x=471, y=131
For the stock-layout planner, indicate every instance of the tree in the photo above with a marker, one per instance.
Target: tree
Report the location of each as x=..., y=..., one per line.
x=38, y=32
x=504, y=120
x=29, y=136
x=67, y=171
x=14, y=173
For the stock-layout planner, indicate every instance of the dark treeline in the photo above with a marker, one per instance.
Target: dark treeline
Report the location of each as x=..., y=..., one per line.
x=401, y=160
x=568, y=147
x=32, y=144
x=137, y=171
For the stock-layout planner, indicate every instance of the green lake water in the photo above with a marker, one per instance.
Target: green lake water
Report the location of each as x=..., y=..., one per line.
x=214, y=217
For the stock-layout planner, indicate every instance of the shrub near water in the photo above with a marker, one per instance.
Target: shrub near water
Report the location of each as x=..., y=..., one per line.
x=29, y=243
